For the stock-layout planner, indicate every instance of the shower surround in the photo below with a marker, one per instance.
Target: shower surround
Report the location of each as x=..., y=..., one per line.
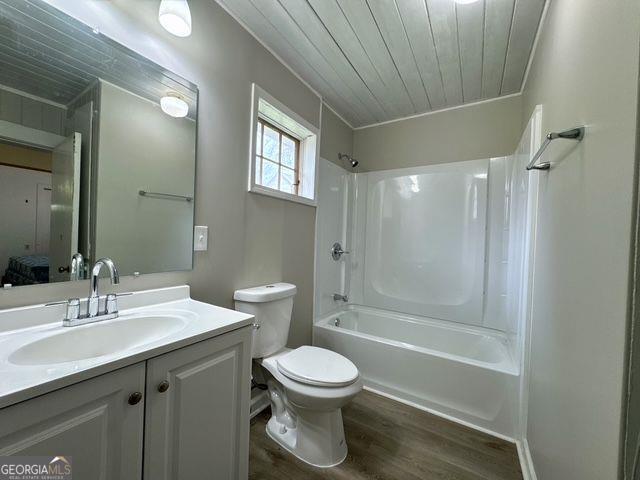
x=436, y=279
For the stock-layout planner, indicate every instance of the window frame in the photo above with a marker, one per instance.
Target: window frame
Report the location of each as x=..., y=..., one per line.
x=296, y=162
x=308, y=151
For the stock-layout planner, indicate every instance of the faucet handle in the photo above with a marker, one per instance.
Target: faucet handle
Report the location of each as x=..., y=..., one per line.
x=73, y=309
x=111, y=304
x=337, y=251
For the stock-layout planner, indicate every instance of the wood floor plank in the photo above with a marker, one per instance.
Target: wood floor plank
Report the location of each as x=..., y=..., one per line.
x=388, y=440
x=436, y=434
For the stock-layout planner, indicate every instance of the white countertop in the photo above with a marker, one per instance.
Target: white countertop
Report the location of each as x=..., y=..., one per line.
x=24, y=325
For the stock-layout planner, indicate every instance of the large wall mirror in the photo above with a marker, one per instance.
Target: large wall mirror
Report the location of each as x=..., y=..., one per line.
x=97, y=152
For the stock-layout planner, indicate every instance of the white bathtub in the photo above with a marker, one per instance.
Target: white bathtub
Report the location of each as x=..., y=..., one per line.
x=465, y=373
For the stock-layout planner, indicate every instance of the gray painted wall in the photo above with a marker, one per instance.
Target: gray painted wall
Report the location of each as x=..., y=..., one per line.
x=336, y=137
x=488, y=129
x=631, y=406
x=252, y=239
x=582, y=259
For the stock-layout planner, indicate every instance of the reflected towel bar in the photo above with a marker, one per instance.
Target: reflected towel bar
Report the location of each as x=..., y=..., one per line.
x=144, y=193
x=573, y=134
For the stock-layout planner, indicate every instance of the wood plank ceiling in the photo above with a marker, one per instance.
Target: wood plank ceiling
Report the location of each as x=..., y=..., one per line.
x=377, y=60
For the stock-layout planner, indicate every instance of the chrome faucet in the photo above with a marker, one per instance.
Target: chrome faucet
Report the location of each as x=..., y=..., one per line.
x=94, y=299
x=77, y=267
x=92, y=314
x=337, y=297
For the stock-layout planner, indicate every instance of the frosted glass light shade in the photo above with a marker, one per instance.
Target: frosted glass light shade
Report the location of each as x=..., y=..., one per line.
x=465, y=2
x=175, y=17
x=174, y=106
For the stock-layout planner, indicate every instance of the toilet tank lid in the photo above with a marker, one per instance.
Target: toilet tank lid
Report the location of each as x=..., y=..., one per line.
x=265, y=293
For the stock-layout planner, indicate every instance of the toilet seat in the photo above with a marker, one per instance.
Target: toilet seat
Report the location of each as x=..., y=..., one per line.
x=317, y=366
x=304, y=395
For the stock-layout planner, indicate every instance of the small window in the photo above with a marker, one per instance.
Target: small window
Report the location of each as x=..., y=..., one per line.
x=283, y=151
x=277, y=158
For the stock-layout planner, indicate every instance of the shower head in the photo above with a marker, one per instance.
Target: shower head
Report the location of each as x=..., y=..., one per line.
x=352, y=161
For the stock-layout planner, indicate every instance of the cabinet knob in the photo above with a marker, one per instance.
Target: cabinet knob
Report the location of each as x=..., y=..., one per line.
x=135, y=398
x=163, y=386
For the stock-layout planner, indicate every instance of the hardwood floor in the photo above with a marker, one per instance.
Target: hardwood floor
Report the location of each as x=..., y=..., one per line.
x=387, y=441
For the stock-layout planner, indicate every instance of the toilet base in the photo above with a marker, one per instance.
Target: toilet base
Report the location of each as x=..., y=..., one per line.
x=317, y=437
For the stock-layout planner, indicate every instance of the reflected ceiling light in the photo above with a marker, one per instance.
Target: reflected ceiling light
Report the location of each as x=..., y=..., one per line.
x=175, y=17
x=174, y=105
x=465, y=2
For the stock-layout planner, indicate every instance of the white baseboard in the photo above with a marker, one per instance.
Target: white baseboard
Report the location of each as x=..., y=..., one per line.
x=526, y=462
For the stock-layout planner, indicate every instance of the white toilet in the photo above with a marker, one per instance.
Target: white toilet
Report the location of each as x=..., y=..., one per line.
x=307, y=386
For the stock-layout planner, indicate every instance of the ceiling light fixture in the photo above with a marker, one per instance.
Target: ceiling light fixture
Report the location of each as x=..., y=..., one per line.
x=465, y=2
x=175, y=17
x=174, y=105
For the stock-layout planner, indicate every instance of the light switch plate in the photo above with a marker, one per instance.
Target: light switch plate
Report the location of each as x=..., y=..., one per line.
x=200, y=238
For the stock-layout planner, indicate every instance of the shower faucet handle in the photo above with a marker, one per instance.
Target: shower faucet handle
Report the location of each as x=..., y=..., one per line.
x=337, y=251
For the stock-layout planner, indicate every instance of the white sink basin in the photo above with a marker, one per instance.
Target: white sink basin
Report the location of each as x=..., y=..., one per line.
x=97, y=339
x=39, y=355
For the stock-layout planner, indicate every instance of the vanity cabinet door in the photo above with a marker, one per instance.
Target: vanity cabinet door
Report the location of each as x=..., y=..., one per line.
x=92, y=422
x=197, y=417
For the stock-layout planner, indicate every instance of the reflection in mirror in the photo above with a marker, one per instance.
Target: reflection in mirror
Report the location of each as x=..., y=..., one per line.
x=97, y=152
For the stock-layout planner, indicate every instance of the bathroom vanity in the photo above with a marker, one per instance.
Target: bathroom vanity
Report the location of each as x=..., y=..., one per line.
x=161, y=392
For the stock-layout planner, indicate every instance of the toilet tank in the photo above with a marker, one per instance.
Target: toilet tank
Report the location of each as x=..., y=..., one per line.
x=272, y=306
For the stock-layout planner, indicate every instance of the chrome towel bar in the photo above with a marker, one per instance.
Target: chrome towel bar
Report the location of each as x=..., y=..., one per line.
x=144, y=193
x=573, y=134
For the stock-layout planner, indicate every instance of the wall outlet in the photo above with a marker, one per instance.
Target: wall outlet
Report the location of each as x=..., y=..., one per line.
x=200, y=238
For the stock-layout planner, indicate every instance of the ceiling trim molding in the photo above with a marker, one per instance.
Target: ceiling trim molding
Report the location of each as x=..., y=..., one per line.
x=32, y=137
x=532, y=53
x=32, y=97
x=432, y=112
x=338, y=115
x=270, y=50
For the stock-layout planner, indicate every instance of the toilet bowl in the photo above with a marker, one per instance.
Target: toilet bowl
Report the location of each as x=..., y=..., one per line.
x=307, y=386
x=306, y=414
